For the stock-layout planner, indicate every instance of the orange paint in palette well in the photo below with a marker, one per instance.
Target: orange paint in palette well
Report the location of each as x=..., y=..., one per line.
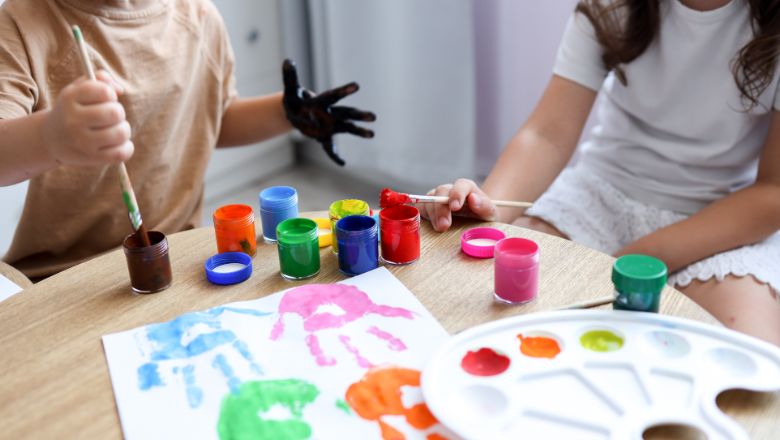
x=539, y=346
x=378, y=394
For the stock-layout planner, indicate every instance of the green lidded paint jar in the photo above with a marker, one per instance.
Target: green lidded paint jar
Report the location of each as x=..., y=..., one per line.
x=299, y=249
x=639, y=280
x=344, y=208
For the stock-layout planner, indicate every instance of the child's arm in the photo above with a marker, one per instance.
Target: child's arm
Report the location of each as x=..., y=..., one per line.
x=250, y=120
x=86, y=127
x=532, y=159
x=22, y=149
x=747, y=216
x=247, y=121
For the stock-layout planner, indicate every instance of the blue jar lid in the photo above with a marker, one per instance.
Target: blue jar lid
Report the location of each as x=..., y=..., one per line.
x=228, y=268
x=278, y=198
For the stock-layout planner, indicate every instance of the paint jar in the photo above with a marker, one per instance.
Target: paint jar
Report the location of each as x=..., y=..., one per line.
x=149, y=266
x=299, y=249
x=639, y=280
x=234, y=226
x=516, y=270
x=343, y=208
x=400, y=232
x=324, y=231
x=277, y=204
x=356, y=238
x=480, y=242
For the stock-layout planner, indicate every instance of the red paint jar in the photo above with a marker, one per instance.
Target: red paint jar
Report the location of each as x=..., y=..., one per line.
x=400, y=234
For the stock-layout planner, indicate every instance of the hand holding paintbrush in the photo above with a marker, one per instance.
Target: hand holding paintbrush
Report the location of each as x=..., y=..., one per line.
x=388, y=198
x=127, y=190
x=439, y=208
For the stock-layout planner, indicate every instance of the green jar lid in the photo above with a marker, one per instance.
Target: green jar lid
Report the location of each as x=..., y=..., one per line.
x=639, y=273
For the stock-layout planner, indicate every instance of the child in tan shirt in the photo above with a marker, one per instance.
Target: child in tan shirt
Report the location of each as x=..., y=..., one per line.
x=166, y=70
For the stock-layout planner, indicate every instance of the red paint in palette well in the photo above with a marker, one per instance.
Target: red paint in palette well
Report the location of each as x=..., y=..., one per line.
x=484, y=362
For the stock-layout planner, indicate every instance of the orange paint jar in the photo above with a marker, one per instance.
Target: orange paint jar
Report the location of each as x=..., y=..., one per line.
x=234, y=226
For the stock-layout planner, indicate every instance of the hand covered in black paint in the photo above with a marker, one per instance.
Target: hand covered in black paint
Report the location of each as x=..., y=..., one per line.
x=317, y=117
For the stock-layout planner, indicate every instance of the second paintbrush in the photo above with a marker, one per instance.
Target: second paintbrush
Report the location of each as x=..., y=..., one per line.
x=388, y=198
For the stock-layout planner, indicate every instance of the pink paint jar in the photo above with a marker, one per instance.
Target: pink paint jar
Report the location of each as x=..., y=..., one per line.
x=516, y=270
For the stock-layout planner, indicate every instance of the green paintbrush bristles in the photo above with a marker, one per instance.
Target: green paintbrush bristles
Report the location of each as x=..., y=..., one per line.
x=77, y=33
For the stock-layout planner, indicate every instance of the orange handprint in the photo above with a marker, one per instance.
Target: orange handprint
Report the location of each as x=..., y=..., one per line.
x=378, y=394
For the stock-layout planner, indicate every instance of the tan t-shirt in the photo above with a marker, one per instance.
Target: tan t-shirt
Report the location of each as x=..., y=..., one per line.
x=174, y=60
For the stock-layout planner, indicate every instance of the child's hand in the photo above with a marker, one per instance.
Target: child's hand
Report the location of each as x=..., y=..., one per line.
x=466, y=199
x=317, y=117
x=87, y=124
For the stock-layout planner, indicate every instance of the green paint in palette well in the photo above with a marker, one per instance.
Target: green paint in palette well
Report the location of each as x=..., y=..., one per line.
x=601, y=340
x=241, y=415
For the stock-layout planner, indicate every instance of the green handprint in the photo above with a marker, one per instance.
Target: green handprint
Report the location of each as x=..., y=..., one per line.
x=241, y=416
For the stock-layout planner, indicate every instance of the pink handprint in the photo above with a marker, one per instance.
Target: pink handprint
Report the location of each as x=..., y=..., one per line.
x=355, y=304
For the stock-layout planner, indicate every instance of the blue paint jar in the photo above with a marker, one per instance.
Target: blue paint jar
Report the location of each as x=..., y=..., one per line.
x=277, y=204
x=358, y=245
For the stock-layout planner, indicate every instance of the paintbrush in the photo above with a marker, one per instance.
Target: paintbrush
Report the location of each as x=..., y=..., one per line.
x=124, y=180
x=388, y=198
x=590, y=303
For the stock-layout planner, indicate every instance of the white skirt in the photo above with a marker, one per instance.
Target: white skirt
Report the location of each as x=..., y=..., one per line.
x=592, y=212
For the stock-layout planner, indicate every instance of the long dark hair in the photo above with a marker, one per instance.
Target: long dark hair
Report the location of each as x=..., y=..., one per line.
x=625, y=28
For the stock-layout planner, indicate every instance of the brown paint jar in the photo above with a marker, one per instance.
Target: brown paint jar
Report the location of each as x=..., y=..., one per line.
x=149, y=266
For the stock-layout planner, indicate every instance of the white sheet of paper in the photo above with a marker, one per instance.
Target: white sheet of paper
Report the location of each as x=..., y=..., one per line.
x=8, y=288
x=278, y=367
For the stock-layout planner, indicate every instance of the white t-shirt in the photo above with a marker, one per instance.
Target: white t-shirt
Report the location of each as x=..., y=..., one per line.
x=678, y=136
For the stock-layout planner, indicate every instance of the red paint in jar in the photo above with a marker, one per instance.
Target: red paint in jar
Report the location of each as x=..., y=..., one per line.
x=400, y=234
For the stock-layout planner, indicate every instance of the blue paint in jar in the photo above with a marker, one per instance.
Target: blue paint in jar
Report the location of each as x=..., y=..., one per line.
x=277, y=204
x=358, y=244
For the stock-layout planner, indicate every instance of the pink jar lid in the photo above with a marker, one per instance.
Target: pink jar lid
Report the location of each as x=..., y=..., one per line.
x=479, y=242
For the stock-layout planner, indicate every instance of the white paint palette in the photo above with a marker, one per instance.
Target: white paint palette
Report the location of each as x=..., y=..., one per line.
x=590, y=374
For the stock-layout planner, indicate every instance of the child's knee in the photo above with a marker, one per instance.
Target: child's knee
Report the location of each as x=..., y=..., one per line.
x=740, y=303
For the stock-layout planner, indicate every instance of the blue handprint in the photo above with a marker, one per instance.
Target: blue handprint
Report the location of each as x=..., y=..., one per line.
x=167, y=338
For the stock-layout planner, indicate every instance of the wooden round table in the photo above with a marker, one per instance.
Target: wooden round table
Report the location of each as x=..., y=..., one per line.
x=14, y=275
x=55, y=381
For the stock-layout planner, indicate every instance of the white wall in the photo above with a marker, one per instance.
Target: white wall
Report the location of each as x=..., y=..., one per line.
x=11, y=204
x=451, y=81
x=516, y=46
x=414, y=61
x=253, y=26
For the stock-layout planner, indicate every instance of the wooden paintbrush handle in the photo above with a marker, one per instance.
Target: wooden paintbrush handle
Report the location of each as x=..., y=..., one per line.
x=445, y=200
x=512, y=204
x=128, y=196
x=590, y=303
